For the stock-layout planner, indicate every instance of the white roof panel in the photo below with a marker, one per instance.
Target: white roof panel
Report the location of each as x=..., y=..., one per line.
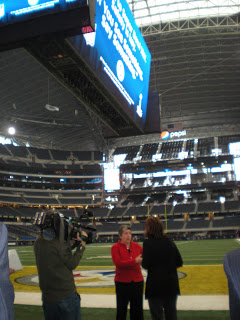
x=172, y=10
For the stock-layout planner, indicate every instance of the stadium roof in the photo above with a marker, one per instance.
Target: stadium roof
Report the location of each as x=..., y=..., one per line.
x=195, y=48
x=153, y=12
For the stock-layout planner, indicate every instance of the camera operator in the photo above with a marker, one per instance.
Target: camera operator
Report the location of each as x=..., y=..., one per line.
x=55, y=263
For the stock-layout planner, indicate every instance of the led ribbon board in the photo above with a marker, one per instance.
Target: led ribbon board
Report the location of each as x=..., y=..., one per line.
x=22, y=19
x=119, y=55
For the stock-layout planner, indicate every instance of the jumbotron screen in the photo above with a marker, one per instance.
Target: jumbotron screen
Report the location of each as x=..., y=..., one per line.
x=14, y=10
x=118, y=54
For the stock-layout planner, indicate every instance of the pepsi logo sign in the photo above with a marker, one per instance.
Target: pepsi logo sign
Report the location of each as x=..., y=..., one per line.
x=165, y=135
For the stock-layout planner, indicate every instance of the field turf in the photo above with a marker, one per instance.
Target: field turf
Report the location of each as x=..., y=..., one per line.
x=196, y=252
x=30, y=312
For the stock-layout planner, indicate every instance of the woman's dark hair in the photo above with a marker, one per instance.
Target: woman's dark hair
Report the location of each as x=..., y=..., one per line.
x=154, y=228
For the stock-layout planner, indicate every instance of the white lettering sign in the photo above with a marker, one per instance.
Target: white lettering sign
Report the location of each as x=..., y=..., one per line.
x=178, y=134
x=119, y=29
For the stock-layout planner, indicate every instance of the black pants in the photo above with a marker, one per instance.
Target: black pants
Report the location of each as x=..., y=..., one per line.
x=129, y=292
x=168, y=304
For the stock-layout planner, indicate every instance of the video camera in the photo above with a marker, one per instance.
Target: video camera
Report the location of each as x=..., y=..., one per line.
x=54, y=224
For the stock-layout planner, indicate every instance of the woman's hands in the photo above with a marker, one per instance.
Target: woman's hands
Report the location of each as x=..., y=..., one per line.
x=139, y=259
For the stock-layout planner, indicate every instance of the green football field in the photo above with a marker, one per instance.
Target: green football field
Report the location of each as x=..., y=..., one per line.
x=196, y=252
x=202, y=259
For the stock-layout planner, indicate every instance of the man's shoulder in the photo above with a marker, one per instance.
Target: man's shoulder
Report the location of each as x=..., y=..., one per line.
x=3, y=228
x=233, y=255
x=41, y=241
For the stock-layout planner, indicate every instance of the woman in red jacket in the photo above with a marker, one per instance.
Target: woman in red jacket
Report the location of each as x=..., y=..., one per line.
x=127, y=257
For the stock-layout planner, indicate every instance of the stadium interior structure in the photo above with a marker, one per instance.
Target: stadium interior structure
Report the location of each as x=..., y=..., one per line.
x=86, y=154
x=195, y=196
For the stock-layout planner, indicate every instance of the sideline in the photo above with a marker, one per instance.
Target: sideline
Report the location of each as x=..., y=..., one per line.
x=185, y=302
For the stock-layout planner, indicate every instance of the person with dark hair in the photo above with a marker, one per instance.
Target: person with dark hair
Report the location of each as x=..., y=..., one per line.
x=231, y=264
x=127, y=257
x=6, y=287
x=55, y=262
x=161, y=258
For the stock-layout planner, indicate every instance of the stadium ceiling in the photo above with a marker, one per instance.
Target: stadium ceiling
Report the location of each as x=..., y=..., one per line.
x=195, y=48
x=154, y=12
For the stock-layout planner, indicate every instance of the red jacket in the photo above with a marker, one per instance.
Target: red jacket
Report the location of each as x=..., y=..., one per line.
x=127, y=270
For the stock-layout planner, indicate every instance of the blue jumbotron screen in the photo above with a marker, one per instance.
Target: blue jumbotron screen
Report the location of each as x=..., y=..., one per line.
x=15, y=10
x=119, y=55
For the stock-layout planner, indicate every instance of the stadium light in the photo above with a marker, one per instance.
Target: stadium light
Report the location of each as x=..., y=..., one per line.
x=11, y=130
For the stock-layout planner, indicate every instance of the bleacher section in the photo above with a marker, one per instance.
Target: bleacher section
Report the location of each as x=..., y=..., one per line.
x=186, y=189
x=130, y=151
x=117, y=212
x=170, y=150
x=42, y=154
x=35, y=176
x=108, y=227
x=138, y=227
x=136, y=199
x=137, y=211
x=173, y=224
x=60, y=155
x=138, y=183
x=209, y=207
x=227, y=222
x=223, y=142
x=82, y=156
x=156, y=198
x=190, y=148
x=148, y=151
x=205, y=146
x=232, y=205
x=160, y=210
x=21, y=152
x=198, y=224
x=18, y=212
x=185, y=208
x=101, y=212
x=36, y=155
x=4, y=151
x=21, y=232
x=232, y=223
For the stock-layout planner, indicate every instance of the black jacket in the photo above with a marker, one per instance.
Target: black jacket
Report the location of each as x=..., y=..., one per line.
x=161, y=258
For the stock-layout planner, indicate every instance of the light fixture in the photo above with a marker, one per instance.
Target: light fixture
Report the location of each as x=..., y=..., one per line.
x=48, y=106
x=51, y=108
x=11, y=130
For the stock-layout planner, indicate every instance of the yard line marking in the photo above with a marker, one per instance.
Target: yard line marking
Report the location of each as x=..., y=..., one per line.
x=101, y=246
x=99, y=257
x=25, y=253
x=184, y=242
x=203, y=255
x=199, y=259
